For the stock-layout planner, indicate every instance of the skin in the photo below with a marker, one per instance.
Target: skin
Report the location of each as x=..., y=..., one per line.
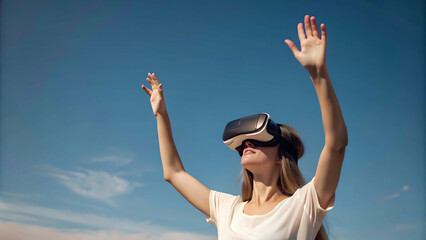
x=312, y=56
x=263, y=163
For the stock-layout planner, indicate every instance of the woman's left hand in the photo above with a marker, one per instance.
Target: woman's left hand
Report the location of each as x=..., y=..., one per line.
x=312, y=55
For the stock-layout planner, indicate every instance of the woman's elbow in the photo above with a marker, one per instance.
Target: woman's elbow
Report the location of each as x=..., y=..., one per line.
x=337, y=144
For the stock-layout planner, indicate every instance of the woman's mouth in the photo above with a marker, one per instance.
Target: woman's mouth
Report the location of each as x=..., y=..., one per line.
x=248, y=151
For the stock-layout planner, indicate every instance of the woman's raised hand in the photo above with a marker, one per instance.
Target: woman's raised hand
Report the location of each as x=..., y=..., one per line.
x=156, y=94
x=313, y=47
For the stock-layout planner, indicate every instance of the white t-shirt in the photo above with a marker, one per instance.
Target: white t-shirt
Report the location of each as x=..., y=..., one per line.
x=297, y=217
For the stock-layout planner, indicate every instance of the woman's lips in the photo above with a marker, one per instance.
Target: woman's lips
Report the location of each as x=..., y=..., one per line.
x=248, y=151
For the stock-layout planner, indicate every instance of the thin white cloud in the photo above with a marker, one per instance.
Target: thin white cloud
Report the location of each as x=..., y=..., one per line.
x=13, y=216
x=398, y=194
x=117, y=160
x=21, y=218
x=18, y=231
x=84, y=219
x=93, y=184
x=395, y=195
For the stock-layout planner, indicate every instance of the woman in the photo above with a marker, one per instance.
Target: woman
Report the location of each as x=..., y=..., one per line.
x=276, y=203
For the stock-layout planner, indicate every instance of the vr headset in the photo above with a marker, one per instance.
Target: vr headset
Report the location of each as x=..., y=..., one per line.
x=260, y=130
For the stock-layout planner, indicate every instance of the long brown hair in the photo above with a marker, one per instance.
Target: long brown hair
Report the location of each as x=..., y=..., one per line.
x=290, y=178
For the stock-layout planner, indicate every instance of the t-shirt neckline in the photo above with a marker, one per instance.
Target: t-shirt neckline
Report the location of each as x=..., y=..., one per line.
x=266, y=214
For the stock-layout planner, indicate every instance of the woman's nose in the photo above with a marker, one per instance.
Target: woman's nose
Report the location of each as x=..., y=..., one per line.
x=248, y=144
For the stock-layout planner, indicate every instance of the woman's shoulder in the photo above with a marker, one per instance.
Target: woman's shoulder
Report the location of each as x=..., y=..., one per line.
x=305, y=188
x=224, y=197
x=310, y=196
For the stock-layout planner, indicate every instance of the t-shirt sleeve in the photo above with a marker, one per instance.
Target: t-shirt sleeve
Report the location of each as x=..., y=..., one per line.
x=219, y=203
x=312, y=206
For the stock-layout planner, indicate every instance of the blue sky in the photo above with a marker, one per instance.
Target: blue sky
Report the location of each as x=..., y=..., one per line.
x=79, y=148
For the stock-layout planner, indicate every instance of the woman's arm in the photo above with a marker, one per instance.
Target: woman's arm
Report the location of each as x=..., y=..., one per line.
x=174, y=173
x=313, y=57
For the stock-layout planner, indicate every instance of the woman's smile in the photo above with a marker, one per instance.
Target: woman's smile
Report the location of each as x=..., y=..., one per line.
x=248, y=151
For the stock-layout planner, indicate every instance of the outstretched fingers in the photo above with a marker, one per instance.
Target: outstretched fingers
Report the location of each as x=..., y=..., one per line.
x=148, y=91
x=149, y=80
x=152, y=79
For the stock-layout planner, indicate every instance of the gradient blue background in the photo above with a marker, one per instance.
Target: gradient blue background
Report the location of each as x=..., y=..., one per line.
x=78, y=134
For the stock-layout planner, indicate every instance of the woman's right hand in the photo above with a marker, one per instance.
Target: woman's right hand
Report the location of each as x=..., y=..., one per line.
x=156, y=95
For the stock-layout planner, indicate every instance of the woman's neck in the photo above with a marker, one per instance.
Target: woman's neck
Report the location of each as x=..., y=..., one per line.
x=265, y=190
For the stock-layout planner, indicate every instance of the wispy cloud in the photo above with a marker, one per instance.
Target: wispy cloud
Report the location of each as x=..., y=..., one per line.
x=12, y=230
x=114, y=159
x=13, y=214
x=85, y=219
x=93, y=184
x=395, y=195
x=21, y=217
x=398, y=194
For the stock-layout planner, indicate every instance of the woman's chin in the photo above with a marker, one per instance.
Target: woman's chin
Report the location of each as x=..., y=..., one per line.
x=246, y=160
x=254, y=164
x=250, y=163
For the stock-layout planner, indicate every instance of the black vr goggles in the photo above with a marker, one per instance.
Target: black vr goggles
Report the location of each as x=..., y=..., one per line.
x=259, y=129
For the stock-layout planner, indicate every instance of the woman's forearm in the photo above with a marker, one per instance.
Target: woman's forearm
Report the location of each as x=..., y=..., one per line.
x=336, y=136
x=169, y=155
